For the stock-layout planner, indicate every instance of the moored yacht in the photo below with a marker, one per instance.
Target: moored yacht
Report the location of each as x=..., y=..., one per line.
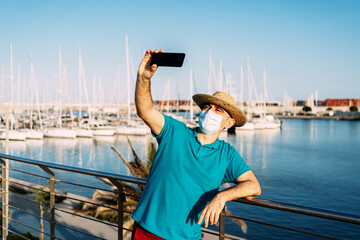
x=98, y=127
x=13, y=135
x=59, y=133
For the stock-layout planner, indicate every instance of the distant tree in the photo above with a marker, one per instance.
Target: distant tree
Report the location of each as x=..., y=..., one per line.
x=306, y=109
x=353, y=109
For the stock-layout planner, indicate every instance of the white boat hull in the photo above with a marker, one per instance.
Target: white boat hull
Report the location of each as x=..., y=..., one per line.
x=137, y=131
x=13, y=135
x=103, y=132
x=33, y=134
x=59, y=133
x=87, y=133
x=248, y=126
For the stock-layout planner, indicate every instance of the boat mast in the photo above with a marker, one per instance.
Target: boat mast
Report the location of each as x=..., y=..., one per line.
x=178, y=98
x=221, y=77
x=31, y=92
x=242, y=87
x=2, y=85
x=249, y=92
x=12, y=79
x=128, y=79
x=168, y=96
x=80, y=92
x=60, y=85
x=18, y=87
x=35, y=90
x=265, y=93
x=209, y=80
x=191, y=99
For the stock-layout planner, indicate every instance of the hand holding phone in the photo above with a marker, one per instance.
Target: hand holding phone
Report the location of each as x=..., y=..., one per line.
x=167, y=59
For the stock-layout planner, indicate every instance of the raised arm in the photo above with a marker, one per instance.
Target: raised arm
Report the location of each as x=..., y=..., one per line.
x=143, y=100
x=247, y=185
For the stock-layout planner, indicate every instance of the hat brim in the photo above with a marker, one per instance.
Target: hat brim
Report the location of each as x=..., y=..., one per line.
x=236, y=113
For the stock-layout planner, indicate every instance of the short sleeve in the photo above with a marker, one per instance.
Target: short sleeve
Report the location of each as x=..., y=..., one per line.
x=165, y=131
x=237, y=166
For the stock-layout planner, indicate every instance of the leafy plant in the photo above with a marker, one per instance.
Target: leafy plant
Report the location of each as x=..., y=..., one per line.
x=353, y=109
x=42, y=196
x=306, y=109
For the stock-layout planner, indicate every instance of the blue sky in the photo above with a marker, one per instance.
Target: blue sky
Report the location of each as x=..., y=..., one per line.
x=303, y=45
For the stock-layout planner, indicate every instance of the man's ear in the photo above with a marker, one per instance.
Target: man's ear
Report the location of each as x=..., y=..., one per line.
x=229, y=123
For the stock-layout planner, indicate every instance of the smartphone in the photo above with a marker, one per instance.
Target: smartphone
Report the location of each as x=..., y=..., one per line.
x=168, y=59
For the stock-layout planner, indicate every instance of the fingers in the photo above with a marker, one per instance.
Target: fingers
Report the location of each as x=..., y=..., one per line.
x=202, y=215
x=209, y=215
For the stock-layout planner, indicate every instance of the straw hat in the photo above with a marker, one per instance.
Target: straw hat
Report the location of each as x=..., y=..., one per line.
x=225, y=101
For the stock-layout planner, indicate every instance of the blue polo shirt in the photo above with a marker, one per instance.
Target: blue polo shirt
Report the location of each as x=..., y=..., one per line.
x=184, y=177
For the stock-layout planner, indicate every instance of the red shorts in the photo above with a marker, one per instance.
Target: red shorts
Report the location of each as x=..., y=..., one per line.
x=140, y=233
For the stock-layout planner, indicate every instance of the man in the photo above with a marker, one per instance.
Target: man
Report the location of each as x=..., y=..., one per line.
x=189, y=166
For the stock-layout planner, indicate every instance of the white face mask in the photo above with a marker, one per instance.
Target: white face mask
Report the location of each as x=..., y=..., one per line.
x=209, y=122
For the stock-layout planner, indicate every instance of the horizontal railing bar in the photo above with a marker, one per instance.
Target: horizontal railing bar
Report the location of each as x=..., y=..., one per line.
x=73, y=229
x=231, y=238
x=209, y=232
x=282, y=227
x=36, y=189
x=92, y=203
x=80, y=185
x=86, y=217
x=29, y=227
x=19, y=235
x=128, y=212
x=131, y=195
x=32, y=174
x=34, y=215
x=15, y=195
x=315, y=212
x=76, y=169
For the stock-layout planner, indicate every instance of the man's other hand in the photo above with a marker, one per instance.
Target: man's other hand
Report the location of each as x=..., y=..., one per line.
x=212, y=211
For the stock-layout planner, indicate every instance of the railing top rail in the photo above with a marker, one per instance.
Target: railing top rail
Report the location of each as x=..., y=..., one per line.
x=76, y=169
x=315, y=212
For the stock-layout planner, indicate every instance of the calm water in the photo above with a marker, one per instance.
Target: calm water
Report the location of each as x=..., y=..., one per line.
x=313, y=163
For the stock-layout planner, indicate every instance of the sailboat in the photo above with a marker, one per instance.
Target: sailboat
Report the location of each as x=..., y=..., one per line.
x=84, y=129
x=257, y=119
x=33, y=133
x=132, y=127
x=59, y=132
x=12, y=134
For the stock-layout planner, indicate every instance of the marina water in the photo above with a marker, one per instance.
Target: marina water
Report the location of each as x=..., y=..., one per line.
x=313, y=163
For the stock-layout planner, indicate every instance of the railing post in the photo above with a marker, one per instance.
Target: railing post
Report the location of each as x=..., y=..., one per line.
x=5, y=199
x=52, y=201
x=121, y=200
x=222, y=225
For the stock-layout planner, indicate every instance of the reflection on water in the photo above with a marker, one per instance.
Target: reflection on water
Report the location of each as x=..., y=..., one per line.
x=249, y=142
x=92, y=153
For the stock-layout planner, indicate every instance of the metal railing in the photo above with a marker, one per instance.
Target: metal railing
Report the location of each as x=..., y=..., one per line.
x=118, y=180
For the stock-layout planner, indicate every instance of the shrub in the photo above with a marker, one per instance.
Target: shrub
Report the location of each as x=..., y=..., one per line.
x=353, y=109
x=306, y=109
x=27, y=235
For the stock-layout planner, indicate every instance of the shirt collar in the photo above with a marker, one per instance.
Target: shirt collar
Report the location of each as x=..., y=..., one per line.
x=214, y=145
